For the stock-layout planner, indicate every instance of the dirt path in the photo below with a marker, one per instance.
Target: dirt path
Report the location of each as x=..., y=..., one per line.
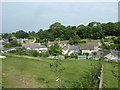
x=29, y=57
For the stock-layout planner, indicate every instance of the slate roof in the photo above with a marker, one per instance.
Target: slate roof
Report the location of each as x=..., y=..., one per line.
x=58, y=42
x=94, y=43
x=113, y=52
x=72, y=47
x=34, y=45
x=116, y=53
x=88, y=47
x=9, y=49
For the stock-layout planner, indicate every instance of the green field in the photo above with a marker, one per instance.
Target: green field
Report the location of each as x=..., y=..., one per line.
x=21, y=72
x=110, y=76
x=28, y=73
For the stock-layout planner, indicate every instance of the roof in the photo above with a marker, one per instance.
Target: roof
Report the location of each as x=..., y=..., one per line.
x=58, y=42
x=72, y=47
x=94, y=43
x=34, y=45
x=9, y=49
x=116, y=53
x=113, y=52
x=88, y=47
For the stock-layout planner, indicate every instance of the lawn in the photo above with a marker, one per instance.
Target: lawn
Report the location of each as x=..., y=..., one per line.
x=28, y=73
x=91, y=40
x=110, y=75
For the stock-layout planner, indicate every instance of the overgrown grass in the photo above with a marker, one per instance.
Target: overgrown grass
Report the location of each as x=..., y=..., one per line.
x=28, y=73
x=110, y=75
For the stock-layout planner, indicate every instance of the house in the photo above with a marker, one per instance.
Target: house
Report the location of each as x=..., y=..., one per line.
x=90, y=47
x=84, y=57
x=112, y=55
x=2, y=57
x=60, y=43
x=71, y=49
x=3, y=42
x=9, y=49
x=36, y=46
x=21, y=40
x=31, y=41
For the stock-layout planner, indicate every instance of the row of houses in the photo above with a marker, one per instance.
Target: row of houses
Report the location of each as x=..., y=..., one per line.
x=68, y=49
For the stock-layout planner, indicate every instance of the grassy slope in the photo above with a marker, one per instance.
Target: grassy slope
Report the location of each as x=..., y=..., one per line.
x=109, y=78
x=21, y=73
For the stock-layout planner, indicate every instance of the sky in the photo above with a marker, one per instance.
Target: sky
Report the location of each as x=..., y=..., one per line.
x=33, y=16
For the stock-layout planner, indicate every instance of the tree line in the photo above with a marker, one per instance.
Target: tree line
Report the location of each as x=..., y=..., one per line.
x=94, y=30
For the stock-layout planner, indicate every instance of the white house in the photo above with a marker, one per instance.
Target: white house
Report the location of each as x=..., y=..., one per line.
x=112, y=55
x=90, y=47
x=71, y=49
x=36, y=46
x=60, y=43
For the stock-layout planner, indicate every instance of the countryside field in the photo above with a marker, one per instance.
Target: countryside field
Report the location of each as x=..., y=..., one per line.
x=28, y=73
x=110, y=76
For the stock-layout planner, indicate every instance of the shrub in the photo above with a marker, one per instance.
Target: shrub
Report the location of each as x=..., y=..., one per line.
x=73, y=56
x=44, y=54
x=33, y=53
x=82, y=41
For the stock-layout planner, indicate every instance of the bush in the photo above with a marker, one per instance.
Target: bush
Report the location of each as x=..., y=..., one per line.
x=33, y=53
x=66, y=56
x=73, y=56
x=44, y=54
x=82, y=41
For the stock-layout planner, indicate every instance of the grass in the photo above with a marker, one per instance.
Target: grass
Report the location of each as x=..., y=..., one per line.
x=90, y=40
x=27, y=73
x=110, y=75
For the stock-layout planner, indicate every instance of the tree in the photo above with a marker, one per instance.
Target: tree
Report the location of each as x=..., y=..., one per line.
x=55, y=50
x=12, y=43
x=6, y=35
x=94, y=53
x=87, y=54
x=57, y=68
x=76, y=39
x=33, y=53
x=71, y=41
x=57, y=29
x=21, y=34
x=32, y=35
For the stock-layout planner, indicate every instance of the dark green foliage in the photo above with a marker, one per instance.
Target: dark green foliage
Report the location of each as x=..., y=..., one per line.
x=71, y=41
x=24, y=51
x=33, y=53
x=82, y=41
x=44, y=54
x=55, y=50
x=94, y=30
x=12, y=43
x=21, y=34
x=6, y=35
x=71, y=56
